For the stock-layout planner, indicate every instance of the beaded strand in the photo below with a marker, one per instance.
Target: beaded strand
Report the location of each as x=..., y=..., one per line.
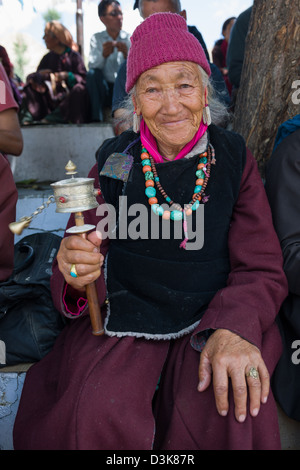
x=206, y=159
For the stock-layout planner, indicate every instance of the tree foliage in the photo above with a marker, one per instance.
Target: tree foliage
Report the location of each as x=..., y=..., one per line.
x=51, y=14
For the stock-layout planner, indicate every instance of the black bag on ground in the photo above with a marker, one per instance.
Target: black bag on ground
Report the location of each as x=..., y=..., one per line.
x=29, y=323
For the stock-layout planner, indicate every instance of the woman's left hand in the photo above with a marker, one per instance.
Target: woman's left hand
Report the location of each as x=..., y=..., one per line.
x=227, y=355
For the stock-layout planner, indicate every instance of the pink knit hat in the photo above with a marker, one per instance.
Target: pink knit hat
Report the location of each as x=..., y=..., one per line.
x=161, y=38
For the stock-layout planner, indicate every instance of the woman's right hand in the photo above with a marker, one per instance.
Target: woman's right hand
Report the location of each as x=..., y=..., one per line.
x=85, y=254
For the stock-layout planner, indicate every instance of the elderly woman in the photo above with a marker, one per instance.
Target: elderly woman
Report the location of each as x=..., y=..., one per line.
x=189, y=337
x=56, y=92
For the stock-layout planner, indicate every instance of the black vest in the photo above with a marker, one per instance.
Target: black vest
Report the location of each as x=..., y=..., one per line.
x=155, y=288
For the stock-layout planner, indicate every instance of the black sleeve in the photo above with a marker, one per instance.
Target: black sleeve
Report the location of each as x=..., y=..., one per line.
x=283, y=191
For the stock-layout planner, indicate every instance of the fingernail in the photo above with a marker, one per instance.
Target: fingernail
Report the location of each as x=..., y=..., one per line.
x=223, y=413
x=264, y=400
x=255, y=412
x=242, y=418
x=200, y=385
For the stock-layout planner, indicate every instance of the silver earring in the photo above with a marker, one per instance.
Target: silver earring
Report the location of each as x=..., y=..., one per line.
x=136, y=123
x=206, y=116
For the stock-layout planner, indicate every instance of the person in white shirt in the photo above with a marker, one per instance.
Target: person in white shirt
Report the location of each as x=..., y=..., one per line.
x=108, y=49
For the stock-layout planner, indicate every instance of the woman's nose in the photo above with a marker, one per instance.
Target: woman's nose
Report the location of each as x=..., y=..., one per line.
x=171, y=101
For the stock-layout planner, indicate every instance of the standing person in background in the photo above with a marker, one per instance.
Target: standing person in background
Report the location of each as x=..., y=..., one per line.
x=11, y=142
x=236, y=50
x=108, y=49
x=14, y=80
x=219, y=52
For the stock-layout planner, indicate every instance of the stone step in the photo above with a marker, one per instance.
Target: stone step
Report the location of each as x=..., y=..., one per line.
x=48, y=148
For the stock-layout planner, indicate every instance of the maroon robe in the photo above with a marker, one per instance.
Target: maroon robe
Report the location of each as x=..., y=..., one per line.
x=98, y=392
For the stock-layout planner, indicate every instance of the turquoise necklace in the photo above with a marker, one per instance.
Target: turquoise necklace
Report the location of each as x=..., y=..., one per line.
x=175, y=211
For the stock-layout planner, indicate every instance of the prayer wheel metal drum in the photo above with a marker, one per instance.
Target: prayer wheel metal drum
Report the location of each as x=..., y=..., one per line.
x=75, y=195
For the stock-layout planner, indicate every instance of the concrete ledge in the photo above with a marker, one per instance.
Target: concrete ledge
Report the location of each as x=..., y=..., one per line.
x=48, y=148
x=11, y=385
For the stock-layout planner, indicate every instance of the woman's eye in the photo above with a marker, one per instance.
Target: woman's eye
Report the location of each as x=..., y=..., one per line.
x=151, y=90
x=184, y=85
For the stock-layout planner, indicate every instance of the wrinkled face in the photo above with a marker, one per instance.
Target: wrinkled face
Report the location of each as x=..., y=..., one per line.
x=171, y=98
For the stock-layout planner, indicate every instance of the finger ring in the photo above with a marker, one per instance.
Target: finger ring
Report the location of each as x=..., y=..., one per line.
x=253, y=372
x=73, y=271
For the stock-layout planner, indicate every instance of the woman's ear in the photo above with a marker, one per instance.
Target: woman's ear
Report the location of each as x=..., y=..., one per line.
x=135, y=105
x=205, y=95
x=183, y=14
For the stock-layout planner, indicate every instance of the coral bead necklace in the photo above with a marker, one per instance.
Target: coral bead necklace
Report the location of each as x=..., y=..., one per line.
x=175, y=211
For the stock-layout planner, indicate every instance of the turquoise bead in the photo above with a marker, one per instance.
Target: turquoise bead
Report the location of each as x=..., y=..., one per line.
x=203, y=160
x=176, y=215
x=146, y=162
x=156, y=179
x=157, y=209
x=160, y=211
x=200, y=174
x=168, y=199
x=149, y=175
x=150, y=192
x=197, y=189
x=195, y=205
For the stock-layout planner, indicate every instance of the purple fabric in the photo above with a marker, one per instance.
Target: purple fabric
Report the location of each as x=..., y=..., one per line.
x=161, y=38
x=150, y=144
x=96, y=392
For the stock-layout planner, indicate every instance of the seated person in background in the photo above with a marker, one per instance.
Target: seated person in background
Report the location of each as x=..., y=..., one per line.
x=219, y=51
x=108, y=49
x=283, y=190
x=147, y=8
x=57, y=92
x=11, y=142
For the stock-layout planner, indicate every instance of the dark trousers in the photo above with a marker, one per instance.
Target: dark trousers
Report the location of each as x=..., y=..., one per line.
x=100, y=93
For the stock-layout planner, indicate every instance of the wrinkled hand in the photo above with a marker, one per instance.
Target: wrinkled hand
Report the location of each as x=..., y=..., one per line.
x=226, y=355
x=85, y=254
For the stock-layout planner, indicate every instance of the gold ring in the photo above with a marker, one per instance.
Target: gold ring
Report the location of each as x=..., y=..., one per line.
x=73, y=271
x=253, y=372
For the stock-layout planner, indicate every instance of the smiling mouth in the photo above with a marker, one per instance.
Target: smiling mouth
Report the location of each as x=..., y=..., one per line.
x=173, y=123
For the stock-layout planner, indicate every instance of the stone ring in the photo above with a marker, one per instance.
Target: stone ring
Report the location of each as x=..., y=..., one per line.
x=73, y=271
x=253, y=372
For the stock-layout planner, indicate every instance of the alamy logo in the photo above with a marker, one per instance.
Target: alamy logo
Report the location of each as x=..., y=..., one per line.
x=296, y=355
x=2, y=92
x=133, y=223
x=296, y=94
